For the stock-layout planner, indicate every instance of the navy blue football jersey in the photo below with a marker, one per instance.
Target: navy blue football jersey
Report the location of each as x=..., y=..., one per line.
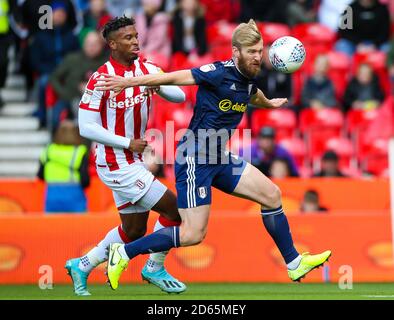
x=222, y=99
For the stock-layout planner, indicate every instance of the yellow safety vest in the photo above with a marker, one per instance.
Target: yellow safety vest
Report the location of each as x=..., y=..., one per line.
x=4, y=8
x=62, y=163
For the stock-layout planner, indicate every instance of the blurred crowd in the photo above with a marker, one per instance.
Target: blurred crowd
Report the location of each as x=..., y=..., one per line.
x=349, y=66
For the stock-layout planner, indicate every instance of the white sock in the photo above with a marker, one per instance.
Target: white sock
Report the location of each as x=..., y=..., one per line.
x=294, y=263
x=99, y=253
x=123, y=253
x=156, y=260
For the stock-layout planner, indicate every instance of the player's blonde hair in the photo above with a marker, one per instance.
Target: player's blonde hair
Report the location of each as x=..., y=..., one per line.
x=246, y=34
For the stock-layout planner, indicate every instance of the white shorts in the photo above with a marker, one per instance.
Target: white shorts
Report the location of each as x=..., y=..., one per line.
x=134, y=188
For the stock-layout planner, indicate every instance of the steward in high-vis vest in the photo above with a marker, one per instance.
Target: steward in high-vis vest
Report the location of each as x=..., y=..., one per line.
x=5, y=41
x=64, y=168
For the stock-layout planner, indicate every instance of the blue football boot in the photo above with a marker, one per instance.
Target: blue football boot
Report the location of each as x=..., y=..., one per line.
x=163, y=280
x=78, y=277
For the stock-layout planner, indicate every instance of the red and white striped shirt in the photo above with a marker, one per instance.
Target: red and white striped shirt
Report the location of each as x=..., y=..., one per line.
x=125, y=115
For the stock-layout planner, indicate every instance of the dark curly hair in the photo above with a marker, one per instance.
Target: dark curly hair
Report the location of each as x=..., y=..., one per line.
x=116, y=24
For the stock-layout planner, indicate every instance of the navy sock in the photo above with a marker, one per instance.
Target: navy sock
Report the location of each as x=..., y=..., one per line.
x=161, y=240
x=277, y=226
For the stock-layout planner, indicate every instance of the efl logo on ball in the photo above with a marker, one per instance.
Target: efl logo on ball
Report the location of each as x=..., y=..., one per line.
x=287, y=54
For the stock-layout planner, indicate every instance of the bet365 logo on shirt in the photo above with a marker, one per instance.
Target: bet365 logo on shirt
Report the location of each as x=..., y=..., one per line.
x=226, y=105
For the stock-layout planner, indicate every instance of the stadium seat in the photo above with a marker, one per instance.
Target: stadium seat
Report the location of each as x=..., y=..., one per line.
x=317, y=126
x=315, y=34
x=284, y=121
x=220, y=33
x=221, y=52
x=339, y=72
x=272, y=31
x=357, y=121
x=374, y=157
x=296, y=147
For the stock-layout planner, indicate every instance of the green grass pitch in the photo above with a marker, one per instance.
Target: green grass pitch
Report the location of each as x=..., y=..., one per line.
x=211, y=291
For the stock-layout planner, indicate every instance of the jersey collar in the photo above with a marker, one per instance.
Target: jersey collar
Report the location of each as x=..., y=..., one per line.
x=239, y=71
x=120, y=66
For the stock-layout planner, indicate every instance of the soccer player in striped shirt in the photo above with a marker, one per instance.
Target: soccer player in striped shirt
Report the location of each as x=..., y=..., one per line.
x=118, y=125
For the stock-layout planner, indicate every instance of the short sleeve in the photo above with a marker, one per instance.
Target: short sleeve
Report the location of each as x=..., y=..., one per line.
x=209, y=74
x=91, y=98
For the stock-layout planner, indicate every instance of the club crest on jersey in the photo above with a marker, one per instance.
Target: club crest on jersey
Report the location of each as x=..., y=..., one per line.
x=128, y=102
x=226, y=105
x=202, y=192
x=208, y=67
x=140, y=184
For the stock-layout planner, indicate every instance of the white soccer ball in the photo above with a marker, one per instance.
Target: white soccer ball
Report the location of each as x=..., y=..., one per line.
x=287, y=54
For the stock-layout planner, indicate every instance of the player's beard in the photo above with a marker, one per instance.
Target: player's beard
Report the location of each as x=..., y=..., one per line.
x=248, y=70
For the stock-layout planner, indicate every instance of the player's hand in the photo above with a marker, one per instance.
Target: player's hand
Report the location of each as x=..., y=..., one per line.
x=278, y=102
x=115, y=83
x=138, y=145
x=150, y=91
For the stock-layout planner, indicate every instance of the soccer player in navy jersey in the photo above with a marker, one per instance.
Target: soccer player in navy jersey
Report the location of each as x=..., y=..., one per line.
x=225, y=90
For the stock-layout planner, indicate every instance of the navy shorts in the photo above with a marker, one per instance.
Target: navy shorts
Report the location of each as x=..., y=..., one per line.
x=194, y=181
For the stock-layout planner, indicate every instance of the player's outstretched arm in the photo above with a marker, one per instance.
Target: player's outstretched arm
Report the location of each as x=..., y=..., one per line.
x=261, y=101
x=117, y=83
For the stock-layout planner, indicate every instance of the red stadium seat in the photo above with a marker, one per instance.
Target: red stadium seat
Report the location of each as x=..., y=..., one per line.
x=357, y=121
x=374, y=157
x=272, y=31
x=221, y=52
x=339, y=72
x=296, y=147
x=220, y=33
x=283, y=121
x=318, y=126
x=315, y=34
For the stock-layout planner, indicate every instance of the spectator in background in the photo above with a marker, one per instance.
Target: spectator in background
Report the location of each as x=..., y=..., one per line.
x=311, y=202
x=5, y=41
x=189, y=28
x=219, y=10
x=48, y=50
x=263, y=10
x=329, y=166
x=64, y=168
x=370, y=30
x=279, y=169
x=300, y=11
x=265, y=150
x=363, y=91
x=153, y=29
x=318, y=91
x=330, y=12
x=278, y=84
x=95, y=17
x=68, y=81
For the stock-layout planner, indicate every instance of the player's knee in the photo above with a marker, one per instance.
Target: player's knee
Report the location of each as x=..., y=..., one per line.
x=135, y=233
x=273, y=197
x=192, y=237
